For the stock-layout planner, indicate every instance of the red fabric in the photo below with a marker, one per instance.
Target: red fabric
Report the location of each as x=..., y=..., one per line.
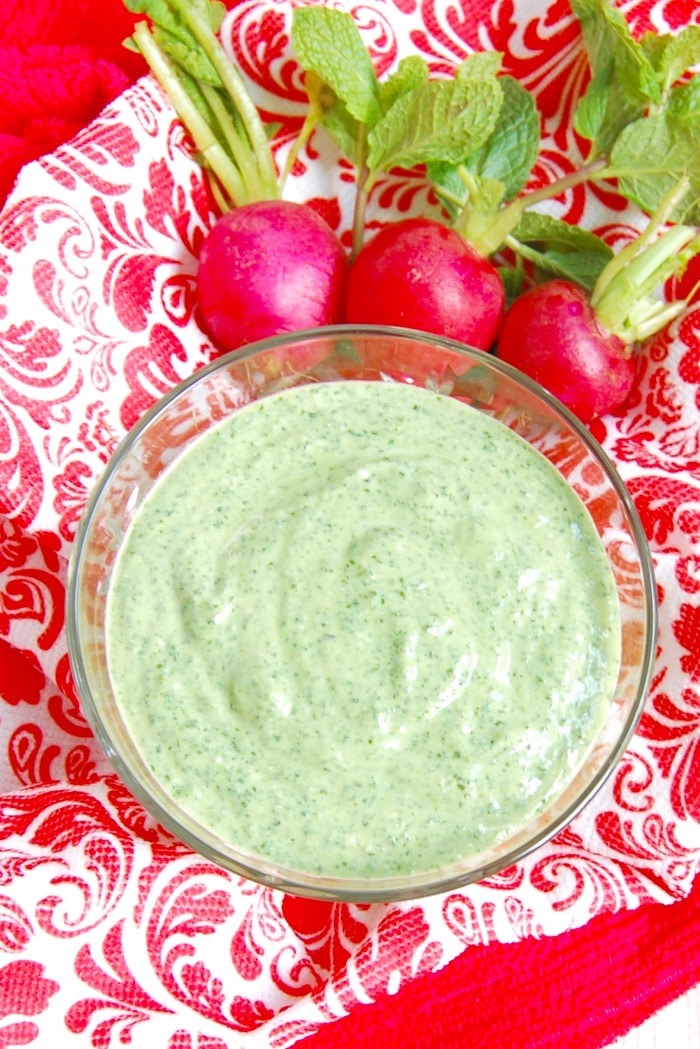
x=60, y=63
x=581, y=990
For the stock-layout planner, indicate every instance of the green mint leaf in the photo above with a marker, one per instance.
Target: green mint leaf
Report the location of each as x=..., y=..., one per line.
x=509, y=154
x=683, y=103
x=328, y=42
x=651, y=156
x=474, y=190
x=344, y=129
x=592, y=107
x=654, y=44
x=602, y=113
x=611, y=46
x=482, y=64
x=623, y=78
x=561, y=249
x=411, y=72
x=440, y=120
x=675, y=55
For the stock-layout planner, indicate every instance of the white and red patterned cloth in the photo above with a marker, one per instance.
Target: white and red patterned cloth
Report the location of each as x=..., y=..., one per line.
x=111, y=932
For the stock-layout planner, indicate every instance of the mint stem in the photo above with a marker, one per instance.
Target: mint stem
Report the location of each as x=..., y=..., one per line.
x=487, y=230
x=313, y=116
x=561, y=185
x=364, y=183
x=358, y=218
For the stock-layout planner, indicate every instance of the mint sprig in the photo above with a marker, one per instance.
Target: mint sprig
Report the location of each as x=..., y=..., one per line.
x=405, y=121
x=641, y=115
x=623, y=80
x=478, y=134
x=480, y=190
x=640, y=110
x=328, y=42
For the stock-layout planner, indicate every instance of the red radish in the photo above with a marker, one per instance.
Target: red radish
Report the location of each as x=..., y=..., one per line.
x=268, y=268
x=552, y=333
x=421, y=274
x=580, y=346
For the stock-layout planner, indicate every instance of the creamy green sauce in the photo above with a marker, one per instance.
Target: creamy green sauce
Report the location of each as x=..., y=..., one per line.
x=363, y=629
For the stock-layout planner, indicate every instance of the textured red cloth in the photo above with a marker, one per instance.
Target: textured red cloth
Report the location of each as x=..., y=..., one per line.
x=60, y=63
x=581, y=990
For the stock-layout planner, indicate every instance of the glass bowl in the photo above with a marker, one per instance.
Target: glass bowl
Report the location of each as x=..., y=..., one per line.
x=348, y=354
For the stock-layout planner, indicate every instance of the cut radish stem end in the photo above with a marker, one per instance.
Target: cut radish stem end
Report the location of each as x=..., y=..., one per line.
x=420, y=274
x=269, y=268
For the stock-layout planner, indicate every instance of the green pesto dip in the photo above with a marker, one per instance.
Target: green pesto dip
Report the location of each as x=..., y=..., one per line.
x=363, y=629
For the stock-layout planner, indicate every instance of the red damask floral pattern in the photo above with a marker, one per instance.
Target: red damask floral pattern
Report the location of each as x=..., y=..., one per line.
x=111, y=931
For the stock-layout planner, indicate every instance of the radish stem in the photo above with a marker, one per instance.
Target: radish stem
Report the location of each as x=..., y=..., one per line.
x=202, y=135
x=240, y=150
x=624, y=257
x=622, y=297
x=235, y=88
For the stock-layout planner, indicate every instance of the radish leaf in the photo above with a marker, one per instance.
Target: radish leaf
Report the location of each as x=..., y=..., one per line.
x=176, y=38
